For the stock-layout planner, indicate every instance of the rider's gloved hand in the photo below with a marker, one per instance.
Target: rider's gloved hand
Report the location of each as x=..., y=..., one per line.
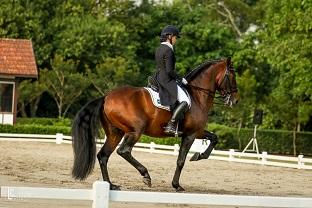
x=184, y=81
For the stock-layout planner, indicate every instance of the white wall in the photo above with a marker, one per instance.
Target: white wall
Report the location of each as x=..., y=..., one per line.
x=6, y=118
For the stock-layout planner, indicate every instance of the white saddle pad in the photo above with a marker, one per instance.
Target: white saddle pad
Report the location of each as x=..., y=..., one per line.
x=156, y=100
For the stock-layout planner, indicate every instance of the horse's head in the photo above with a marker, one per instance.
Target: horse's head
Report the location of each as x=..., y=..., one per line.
x=226, y=83
x=215, y=75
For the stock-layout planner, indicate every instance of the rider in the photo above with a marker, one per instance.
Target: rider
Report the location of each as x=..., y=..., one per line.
x=170, y=93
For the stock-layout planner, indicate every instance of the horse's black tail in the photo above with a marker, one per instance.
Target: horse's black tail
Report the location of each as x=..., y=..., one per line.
x=85, y=131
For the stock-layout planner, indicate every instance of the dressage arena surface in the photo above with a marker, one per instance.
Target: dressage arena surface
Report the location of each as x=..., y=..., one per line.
x=49, y=165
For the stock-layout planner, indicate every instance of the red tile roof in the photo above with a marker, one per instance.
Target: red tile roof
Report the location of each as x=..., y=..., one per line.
x=17, y=58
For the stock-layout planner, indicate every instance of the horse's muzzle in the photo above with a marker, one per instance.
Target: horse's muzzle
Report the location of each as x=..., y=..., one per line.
x=230, y=100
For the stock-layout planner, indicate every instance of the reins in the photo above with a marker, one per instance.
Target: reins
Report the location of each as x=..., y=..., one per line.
x=207, y=91
x=224, y=93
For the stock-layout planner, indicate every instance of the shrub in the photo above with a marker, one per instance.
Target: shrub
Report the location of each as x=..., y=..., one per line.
x=164, y=141
x=35, y=129
x=44, y=121
x=272, y=141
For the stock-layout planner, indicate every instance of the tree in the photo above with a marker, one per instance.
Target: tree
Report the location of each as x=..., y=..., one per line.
x=29, y=95
x=63, y=83
x=286, y=44
x=113, y=72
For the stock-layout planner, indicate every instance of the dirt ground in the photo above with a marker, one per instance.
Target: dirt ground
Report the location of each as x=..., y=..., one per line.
x=49, y=165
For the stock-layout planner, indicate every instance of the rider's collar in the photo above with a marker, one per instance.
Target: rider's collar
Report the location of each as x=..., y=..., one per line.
x=168, y=44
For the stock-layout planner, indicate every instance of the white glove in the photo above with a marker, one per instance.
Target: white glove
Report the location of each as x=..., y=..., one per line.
x=184, y=81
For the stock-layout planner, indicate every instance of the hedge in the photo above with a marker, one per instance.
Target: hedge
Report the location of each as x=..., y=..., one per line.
x=271, y=141
x=45, y=121
x=35, y=129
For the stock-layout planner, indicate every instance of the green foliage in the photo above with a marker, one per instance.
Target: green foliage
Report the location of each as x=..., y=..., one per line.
x=271, y=141
x=39, y=126
x=35, y=129
x=65, y=122
x=114, y=72
x=112, y=43
x=63, y=83
x=164, y=141
x=286, y=45
x=29, y=92
x=225, y=136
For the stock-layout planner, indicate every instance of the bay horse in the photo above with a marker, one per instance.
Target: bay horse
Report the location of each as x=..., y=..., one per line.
x=128, y=112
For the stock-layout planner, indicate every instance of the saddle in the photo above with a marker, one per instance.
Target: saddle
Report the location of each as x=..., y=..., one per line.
x=153, y=89
x=155, y=98
x=152, y=83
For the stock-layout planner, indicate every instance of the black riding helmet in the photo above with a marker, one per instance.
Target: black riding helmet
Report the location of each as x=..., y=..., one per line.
x=170, y=30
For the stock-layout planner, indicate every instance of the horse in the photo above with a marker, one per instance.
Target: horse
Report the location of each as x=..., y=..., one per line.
x=128, y=112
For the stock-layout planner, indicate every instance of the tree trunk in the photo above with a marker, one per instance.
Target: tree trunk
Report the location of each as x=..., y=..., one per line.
x=60, y=108
x=22, y=110
x=34, y=106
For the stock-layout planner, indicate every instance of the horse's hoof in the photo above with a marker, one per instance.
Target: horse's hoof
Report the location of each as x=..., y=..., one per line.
x=147, y=181
x=195, y=157
x=180, y=189
x=115, y=187
x=177, y=187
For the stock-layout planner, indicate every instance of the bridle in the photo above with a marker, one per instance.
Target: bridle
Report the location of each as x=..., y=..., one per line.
x=225, y=93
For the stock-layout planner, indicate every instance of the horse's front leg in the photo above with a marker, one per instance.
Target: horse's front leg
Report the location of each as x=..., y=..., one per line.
x=213, y=142
x=186, y=144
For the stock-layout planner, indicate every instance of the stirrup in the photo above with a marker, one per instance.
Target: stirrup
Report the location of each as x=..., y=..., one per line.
x=173, y=131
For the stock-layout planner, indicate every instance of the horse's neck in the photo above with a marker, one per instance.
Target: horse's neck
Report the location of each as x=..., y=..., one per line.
x=207, y=80
x=204, y=98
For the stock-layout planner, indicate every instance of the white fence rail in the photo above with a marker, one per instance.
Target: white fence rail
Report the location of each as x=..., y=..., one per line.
x=299, y=162
x=101, y=196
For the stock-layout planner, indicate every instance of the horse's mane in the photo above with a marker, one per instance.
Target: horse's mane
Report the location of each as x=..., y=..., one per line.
x=195, y=71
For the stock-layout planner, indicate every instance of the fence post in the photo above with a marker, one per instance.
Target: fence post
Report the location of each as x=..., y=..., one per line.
x=176, y=149
x=231, y=154
x=152, y=148
x=59, y=138
x=100, y=194
x=300, y=161
x=264, y=157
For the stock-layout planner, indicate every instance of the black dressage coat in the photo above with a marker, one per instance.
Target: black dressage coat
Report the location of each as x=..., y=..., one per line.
x=166, y=75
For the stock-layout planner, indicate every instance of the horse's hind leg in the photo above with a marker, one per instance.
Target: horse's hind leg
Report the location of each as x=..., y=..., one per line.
x=113, y=137
x=125, y=151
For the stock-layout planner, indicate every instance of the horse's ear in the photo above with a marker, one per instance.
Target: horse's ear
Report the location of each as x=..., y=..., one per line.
x=228, y=61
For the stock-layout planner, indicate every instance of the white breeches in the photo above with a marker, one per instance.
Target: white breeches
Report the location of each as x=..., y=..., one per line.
x=182, y=96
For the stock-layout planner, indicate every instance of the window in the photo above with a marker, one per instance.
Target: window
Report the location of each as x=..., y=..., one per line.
x=6, y=97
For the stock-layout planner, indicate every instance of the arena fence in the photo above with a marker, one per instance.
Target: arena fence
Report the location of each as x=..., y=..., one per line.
x=101, y=196
x=264, y=158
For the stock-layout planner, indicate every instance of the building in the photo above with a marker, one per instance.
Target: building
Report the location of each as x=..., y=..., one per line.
x=17, y=62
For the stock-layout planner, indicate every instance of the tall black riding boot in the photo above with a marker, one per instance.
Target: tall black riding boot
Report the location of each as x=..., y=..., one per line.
x=177, y=112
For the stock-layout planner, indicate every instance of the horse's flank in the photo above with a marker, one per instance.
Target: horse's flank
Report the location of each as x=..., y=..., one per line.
x=131, y=109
